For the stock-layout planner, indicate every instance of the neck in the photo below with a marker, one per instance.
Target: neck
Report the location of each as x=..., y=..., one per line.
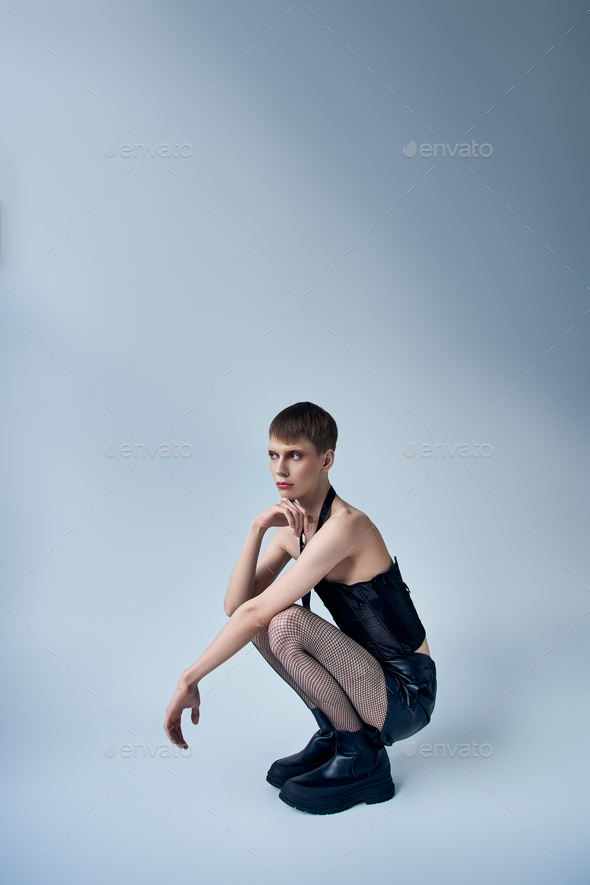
x=313, y=500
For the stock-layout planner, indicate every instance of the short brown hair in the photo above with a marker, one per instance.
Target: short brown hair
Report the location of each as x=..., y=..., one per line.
x=305, y=420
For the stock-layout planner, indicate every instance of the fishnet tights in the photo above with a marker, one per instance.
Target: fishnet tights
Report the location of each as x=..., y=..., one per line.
x=326, y=667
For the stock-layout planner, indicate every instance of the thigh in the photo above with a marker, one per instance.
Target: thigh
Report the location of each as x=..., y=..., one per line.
x=344, y=657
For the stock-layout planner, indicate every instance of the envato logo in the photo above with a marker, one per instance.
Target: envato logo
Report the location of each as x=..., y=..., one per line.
x=465, y=150
x=167, y=450
x=470, y=750
x=126, y=751
x=466, y=450
x=130, y=150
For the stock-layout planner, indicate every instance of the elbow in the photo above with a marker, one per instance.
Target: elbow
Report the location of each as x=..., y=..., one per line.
x=260, y=619
x=246, y=607
x=251, y=610
x=229, y=606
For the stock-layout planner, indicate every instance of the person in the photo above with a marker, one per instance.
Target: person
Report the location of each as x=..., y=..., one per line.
x=369, y=678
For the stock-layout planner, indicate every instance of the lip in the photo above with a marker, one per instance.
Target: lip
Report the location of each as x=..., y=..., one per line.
x=285, y=485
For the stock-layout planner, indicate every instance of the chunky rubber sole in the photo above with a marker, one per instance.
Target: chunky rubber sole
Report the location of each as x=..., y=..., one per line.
x=330, y=800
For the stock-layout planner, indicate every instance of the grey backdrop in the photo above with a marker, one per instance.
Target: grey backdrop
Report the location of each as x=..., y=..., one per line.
x=296, y=254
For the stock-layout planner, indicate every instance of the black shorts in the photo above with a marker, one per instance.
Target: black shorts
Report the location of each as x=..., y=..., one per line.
x=411, y=695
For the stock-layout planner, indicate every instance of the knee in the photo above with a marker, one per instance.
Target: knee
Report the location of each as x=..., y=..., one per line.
x=261, y=638
x=284, y=628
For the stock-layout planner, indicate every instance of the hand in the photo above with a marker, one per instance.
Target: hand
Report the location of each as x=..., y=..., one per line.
x=286, y=512
x=186, y=695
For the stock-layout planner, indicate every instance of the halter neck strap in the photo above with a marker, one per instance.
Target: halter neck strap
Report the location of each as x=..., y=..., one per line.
x=306, y=600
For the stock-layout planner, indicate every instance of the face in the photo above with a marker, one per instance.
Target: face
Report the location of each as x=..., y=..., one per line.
x=299, y=465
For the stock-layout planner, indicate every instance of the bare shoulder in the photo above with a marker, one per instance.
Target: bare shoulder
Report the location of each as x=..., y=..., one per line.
x=355, y=521
x=345, y=521
x=368, y=554
x=345, y=513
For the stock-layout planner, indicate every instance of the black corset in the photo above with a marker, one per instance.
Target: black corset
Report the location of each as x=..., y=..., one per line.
x=378, y=614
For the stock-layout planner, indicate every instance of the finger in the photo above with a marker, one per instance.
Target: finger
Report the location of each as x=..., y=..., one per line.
x=170, y=722
x=288, y=512
x=173, y=731
x=303, y=516
x=284, y=508
x=300, y=516
x=170, y=729
x=195, y=715
x=168, y=726
x=297, y=521
x=288, y=515
x=177, y=736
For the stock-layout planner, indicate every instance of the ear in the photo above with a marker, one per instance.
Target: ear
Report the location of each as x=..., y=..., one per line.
x=328, y=458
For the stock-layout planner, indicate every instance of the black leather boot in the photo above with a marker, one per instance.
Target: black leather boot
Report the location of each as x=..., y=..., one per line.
x=359, y=771
x=320, y=748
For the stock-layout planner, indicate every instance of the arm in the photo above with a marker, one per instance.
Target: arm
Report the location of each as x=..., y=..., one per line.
x=320, y=555
x=249, y=577
x=242, y=626
x=324, y=551
x=245, y=620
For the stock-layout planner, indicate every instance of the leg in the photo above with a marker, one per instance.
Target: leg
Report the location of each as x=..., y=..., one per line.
x=262, y=643
x=329, y=667
x=323, y=743
x=348, y=684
